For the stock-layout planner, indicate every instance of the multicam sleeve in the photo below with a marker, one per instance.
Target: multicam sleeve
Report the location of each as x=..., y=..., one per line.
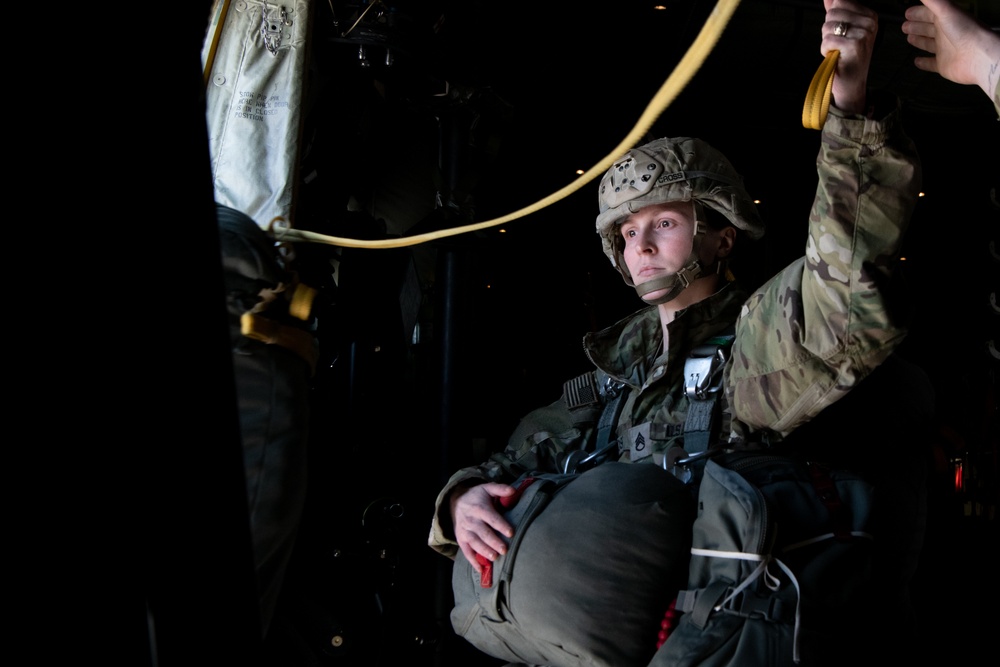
x=826, y=321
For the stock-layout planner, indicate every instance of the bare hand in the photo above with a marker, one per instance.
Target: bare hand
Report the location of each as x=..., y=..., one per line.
x=860, y=25
x=478, y=524
x=963, y=50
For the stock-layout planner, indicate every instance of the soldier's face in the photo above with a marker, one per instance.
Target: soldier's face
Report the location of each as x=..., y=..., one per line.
x=658, y=240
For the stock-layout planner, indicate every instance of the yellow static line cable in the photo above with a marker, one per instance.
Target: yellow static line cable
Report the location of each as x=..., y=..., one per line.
x=685, y=69
x=360, y=18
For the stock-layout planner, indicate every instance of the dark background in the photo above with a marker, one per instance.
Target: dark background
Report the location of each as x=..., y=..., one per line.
x=535, y=93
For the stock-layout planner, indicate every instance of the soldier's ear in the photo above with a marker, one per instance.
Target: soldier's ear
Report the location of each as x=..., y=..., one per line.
x=727, y=240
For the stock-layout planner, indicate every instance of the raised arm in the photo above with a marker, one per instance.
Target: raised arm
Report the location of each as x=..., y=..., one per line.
x=814, y=331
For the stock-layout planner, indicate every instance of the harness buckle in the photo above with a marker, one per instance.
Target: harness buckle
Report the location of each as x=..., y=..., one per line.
x=703, y=371
x=611, y=388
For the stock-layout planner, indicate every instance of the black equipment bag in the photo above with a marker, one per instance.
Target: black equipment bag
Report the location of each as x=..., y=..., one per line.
x=782, y=554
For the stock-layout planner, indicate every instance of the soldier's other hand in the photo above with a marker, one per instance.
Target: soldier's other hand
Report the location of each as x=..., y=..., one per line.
x=850, y=27
x=478, y=524
x=962, y=49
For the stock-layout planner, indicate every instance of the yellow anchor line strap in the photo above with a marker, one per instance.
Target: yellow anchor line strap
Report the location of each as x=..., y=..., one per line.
x=213, y=48
x=814, y=114
x=685, y=70
x=265, y=330
x=817, y=103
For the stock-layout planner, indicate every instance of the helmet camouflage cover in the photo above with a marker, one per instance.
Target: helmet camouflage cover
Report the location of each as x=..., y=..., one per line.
x=669, y=170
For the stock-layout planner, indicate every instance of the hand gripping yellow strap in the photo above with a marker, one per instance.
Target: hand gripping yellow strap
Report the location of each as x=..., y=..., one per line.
x=818, y=98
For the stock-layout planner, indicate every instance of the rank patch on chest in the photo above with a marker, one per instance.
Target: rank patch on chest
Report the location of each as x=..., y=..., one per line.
x=639, y=443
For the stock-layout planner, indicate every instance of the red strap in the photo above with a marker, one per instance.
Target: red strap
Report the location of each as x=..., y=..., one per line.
x=485, y=564
x=670, y=620
x=485, y=571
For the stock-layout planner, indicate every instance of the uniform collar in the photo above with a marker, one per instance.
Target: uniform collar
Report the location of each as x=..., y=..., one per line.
x=631, y=348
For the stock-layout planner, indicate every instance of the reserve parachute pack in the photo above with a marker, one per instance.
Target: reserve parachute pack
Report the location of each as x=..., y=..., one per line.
x=594, y=561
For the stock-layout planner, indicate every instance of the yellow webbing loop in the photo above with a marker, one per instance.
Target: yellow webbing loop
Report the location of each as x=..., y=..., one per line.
x=302, y=301
x=214, y=47
x=817, y=103
x=271, y=332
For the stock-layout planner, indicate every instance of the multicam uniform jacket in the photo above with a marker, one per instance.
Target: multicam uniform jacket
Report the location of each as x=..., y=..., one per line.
x=803, y=340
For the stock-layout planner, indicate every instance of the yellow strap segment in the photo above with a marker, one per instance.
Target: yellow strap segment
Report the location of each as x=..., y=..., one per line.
x=302, y=302
x=817, y=103
x=268, y=331
x=685, y=70
x=214, y=47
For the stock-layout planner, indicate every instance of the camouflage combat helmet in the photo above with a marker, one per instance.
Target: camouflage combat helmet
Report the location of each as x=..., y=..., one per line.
x=669, y=170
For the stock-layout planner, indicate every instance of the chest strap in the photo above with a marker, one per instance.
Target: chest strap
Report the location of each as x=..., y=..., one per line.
x=703, y=374
x=604, y=443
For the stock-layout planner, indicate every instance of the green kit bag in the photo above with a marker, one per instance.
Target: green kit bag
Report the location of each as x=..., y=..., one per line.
x=595, y=561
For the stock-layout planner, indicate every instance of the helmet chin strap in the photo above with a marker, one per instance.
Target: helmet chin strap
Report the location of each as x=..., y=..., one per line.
x=674, y=284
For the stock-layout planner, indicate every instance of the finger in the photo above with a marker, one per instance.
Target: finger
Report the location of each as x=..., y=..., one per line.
x=499, y=524
x=487, y=545
x=926, y=63
x=847, y=33
x=472, y=542
x=499, y=490
x=483, y=519
x=919, y=14
x=489, y=536
x=935, y=7
x=850, y=7
x=857, y=24
x=920, y=29
x=470, y=555
x=482, y=532
x=922, y=43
